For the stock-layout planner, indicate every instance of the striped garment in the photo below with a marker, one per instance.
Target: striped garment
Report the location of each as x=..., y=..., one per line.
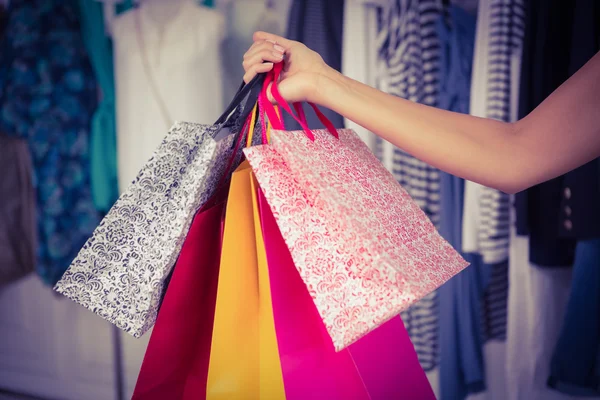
x=506, y=27
x=409, y=61
x=505, y=39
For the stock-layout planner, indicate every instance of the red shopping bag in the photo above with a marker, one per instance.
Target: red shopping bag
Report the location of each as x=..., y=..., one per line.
x=176, y=362
x=381, y=365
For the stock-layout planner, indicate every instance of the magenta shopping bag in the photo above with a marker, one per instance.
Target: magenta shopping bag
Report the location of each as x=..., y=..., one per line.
x=382, y=365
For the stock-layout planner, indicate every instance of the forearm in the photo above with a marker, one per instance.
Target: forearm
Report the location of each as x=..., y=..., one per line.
x=477, y=149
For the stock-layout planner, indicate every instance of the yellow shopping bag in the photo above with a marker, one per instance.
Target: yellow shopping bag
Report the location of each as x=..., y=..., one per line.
x=244, y=358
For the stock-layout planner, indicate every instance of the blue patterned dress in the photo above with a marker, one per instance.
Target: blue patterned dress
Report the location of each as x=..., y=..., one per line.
x=47, y=96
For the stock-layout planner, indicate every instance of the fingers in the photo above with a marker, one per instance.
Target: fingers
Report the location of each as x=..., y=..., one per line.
x=263, y=51
x=257, y=69
x=264, y=36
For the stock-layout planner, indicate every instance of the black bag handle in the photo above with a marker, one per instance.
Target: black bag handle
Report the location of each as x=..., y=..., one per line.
x=251, y=88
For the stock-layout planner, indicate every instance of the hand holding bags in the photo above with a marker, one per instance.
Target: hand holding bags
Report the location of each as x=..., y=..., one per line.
x=362, y=246
x=268, y=338
x=120, y=272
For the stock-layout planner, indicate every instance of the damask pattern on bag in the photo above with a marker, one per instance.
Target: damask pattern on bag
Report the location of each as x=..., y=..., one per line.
x=120, y=272
x=363, y=247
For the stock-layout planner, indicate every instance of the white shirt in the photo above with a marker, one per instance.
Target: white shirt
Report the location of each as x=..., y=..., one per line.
x=185, y=64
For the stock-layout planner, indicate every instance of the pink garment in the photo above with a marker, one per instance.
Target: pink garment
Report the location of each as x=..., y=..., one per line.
x=382, y=365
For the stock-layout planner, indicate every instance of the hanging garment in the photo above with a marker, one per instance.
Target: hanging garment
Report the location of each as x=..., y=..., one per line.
x=560, y=39
x=485, y=224
x=499, y=43
x=103, y=146
x=47, y=96
x=243, y=18
x=3, y=18
x=504, y=43
x=575, y=365
x=163, y=76
x=409, y=58
x=17, y=211
x=486, y=211
x=461, y=364
x=537, y=303
x=319, y=25
x=359, y=57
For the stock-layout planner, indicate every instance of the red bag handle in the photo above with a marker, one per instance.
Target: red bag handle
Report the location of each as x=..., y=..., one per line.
x=276, y=122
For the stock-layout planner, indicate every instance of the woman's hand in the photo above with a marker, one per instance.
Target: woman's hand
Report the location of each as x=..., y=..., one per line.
x=303, y=70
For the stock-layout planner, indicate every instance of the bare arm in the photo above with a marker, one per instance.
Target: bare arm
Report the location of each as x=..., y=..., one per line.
x=561, y=134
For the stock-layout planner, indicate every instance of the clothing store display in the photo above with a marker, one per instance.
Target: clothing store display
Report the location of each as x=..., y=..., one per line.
x=557, y=213
x=461, y=365
x=47, y=97
x=166, y=70
x=243, y=18
x=17, y=211
x=497, y=57
x=319, y=25
x=409, y=61
x=103, y=139
x=499, y=46
x=537, y=302
x=131, y=254
x=575, y=365
x=359, y=56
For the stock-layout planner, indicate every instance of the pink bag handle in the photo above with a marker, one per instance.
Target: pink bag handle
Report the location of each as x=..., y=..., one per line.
x=273, y=77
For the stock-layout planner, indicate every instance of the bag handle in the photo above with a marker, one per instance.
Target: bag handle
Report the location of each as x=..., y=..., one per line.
x=243, y=91
x=273, y=77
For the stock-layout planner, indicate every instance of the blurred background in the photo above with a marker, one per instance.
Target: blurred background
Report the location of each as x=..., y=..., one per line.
x=89, y=88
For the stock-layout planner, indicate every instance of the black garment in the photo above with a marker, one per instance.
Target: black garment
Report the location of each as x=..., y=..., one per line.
x=319, y=25
x=3, y=20
x=560, y=38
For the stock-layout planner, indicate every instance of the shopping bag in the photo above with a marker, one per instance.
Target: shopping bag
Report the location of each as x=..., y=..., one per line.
x=363, y=247
x=132, y=252
x=175, y=365
x=244, y=358
x=382, y=365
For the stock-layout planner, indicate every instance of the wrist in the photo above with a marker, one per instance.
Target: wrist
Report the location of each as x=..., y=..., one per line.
x=328, y=82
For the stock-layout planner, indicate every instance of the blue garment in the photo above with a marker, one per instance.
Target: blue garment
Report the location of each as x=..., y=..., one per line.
x=575, y=365
x=47, y=96
x=460, y=326
x=103, y=135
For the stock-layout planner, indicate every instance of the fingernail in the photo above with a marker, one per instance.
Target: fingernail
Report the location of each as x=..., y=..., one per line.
x=278, y=55
x=279, y=48
x=271, y=41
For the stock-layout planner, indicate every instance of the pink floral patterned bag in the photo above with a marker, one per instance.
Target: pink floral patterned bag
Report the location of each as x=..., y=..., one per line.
x=361, y=244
